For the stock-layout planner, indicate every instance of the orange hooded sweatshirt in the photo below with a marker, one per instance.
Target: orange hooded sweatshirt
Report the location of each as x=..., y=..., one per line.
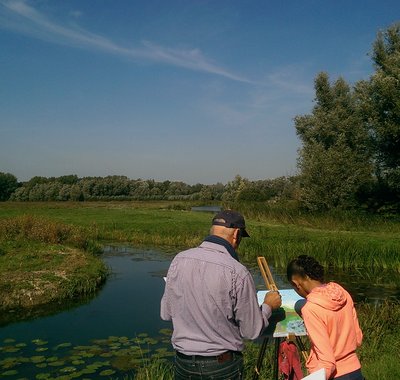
x=332, y=325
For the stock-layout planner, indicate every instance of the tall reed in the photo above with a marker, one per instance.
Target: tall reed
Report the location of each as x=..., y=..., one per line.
x=40, y=229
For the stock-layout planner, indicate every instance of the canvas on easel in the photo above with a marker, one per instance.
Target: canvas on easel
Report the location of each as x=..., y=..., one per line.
x=292, y=323
x=283, y=323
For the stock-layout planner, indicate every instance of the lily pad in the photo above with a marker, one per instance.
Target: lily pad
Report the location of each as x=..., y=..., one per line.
x=65, y=377
x=151, y=341
x=37, y=359
x=11, y=349
x=68, y=369
x=39, y=342
x=9, y=362
x=87, y=355
x=113, y=338
x=88, y=371
x=62, y=345
x=9, y=340
x=75, y=357
x=92, y=366
x=42, y=376
x=12, y=372
x=165, y=331
x=107, y=372
x=77, y=362
x=101, y=364
x=41, y=349
x=57, y=363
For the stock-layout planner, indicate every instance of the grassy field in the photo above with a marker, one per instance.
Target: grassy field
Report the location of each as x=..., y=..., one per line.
x=338, y=242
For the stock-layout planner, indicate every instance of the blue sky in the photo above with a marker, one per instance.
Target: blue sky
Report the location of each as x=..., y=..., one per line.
x=194, y=91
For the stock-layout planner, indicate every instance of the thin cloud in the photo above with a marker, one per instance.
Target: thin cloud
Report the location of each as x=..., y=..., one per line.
x=287, y=79
x=19, y=16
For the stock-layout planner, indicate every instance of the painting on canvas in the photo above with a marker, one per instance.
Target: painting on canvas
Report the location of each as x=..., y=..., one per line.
x=285, y=321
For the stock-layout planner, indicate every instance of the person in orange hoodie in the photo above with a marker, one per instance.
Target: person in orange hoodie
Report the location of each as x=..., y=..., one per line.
x=330, y=319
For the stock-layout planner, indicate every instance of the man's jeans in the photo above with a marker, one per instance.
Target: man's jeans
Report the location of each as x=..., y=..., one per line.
x=201, y=368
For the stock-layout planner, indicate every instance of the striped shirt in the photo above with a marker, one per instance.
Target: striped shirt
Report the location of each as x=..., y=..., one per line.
x=211, y=299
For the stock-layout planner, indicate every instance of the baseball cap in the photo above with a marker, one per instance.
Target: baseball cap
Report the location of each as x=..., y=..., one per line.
x=230, y=219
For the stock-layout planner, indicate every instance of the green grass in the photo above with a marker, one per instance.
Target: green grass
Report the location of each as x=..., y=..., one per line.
x=359, y=241
x=151, y=224
x=289, y=213
x=334, y=249
x=44, y=260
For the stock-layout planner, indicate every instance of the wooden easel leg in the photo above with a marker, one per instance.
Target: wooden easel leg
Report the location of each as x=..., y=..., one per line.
x=260, y=358
x=302, y=347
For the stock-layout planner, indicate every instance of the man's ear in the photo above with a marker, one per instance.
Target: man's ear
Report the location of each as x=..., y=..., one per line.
x=236, y=234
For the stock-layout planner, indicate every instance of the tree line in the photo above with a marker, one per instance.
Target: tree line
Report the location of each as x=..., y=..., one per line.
x=72, y=188
x=349, y=157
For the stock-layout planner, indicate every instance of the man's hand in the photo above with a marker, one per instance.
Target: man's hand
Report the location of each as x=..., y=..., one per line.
x=273, y=300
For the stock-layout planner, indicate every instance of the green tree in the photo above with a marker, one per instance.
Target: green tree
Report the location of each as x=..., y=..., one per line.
x=380, y=98
x=70, y=179
x=335, y=159
x=234, y=188
x=8, y=184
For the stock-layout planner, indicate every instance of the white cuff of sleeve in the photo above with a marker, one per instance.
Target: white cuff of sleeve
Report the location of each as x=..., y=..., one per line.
x=266, y=310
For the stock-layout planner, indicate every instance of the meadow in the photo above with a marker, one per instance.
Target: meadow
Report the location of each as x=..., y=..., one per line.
x=344, y=241
x=60, y=241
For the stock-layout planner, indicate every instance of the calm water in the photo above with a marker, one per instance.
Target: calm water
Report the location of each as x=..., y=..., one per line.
x=362, y=286
x=127, y=306
x=206, y=208
x=101, y=335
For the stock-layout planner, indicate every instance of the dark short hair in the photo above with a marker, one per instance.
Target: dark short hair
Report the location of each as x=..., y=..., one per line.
x=305, y=266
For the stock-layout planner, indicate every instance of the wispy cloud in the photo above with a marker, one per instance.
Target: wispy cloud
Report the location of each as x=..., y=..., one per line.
x=19, y=16
x=288, y=78
x=280, y=96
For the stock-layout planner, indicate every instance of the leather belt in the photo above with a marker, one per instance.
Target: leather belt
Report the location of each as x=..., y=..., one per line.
x=222, y=358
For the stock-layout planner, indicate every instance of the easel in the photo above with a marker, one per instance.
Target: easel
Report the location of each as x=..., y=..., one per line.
x=270, y=284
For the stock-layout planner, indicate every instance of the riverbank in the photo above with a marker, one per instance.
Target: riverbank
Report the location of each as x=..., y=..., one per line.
x=42, y=262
